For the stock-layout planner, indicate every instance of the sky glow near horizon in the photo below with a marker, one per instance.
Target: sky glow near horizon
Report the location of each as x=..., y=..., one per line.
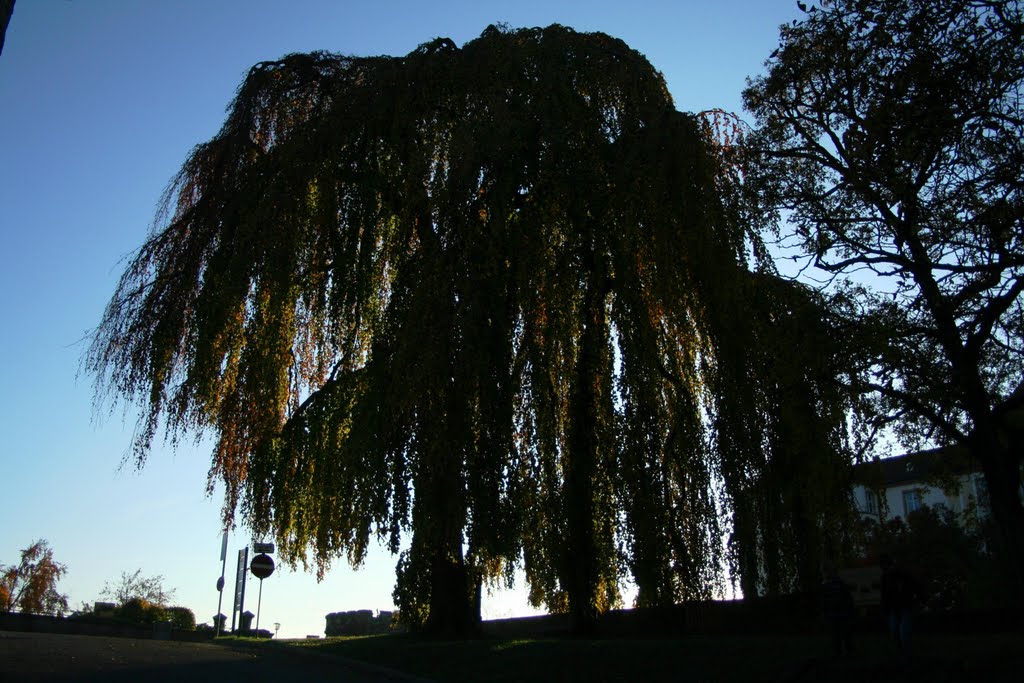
x=100, y=103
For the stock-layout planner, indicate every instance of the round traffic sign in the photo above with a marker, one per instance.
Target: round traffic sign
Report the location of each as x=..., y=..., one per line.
x=262, y=566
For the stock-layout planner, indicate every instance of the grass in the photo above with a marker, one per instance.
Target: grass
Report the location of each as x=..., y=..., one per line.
x=690, y=658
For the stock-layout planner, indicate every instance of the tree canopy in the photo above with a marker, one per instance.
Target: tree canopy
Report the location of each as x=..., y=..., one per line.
x=493, y=296
x=31, y=585
x=890, y=139
x=135, y=586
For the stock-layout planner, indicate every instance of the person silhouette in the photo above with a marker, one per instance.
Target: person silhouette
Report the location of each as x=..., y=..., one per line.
x=837, y=608
x=901, y=593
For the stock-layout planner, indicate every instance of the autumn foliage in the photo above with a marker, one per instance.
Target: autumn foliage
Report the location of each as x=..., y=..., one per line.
x=30, y=586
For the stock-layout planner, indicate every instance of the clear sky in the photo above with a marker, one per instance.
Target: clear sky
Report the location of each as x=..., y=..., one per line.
x=100, y=103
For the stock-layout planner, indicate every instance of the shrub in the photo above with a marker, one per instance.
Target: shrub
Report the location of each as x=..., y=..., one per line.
x=182, y=618
x=140, y=611
x=946, y=552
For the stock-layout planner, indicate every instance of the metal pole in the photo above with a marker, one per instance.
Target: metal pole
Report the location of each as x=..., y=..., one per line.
x=245, y=575
x=223, y=566
x=259, y=603
x=238, y=603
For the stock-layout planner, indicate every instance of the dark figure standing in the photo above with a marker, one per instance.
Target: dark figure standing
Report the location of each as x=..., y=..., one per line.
x=837, y=608
x=900, y=594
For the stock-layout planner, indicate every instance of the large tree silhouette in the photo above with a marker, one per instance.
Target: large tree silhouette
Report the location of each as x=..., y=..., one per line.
x=891, y=136
x=490, y=296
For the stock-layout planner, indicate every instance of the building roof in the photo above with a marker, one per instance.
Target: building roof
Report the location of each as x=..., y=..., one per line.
x=933, y=466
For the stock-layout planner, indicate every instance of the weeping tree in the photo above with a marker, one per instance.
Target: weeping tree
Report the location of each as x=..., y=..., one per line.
x=480, y=304
x=781, y=425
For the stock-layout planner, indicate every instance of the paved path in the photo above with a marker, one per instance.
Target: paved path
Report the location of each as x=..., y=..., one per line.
x=52, y=658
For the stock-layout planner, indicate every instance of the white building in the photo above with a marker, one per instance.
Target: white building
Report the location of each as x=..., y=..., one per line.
x=894, y=487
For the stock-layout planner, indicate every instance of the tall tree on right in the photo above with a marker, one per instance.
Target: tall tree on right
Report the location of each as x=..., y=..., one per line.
x=889, y=137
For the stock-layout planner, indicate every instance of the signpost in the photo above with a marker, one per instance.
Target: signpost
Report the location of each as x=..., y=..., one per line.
x=262, y=566
x=243, y=565
x=220, y=581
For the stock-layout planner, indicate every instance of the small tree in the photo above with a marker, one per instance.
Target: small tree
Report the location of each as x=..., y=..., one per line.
x=183, y=618
x=134, y=585
x=31, y=585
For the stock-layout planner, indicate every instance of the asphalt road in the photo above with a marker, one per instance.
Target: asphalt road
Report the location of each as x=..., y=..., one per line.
x=51, y=658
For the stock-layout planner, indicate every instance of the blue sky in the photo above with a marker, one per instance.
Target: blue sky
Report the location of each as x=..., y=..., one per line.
x=100, y=103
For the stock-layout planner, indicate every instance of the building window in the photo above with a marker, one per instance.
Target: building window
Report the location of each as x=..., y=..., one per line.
x=870, y=502
x=981, y=493
x=911, y=501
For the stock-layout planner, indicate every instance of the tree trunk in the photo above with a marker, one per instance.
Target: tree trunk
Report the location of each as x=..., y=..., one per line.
x=582, y=562
x=993, y=449
x=454, y=609
x=1001, y=468
x=744, y=545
